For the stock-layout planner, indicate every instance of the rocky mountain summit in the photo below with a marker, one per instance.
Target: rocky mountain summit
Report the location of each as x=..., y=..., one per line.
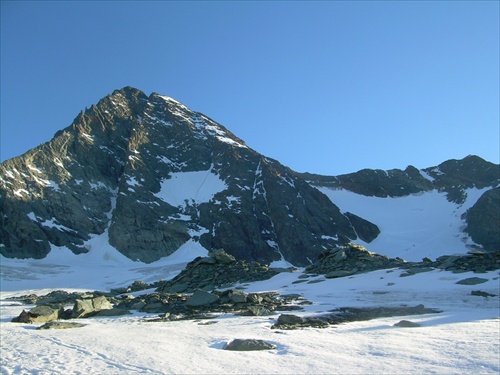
x=147, y=175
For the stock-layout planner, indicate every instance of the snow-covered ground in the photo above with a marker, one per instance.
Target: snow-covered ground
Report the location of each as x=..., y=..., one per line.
x=414, y=226
x=464, y=338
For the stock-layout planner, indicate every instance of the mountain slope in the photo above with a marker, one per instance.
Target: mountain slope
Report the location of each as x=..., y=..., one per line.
x=451, y=208
x=150, y=175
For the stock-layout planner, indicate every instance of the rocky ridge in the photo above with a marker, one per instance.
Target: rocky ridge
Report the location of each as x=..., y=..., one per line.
x=147, y=175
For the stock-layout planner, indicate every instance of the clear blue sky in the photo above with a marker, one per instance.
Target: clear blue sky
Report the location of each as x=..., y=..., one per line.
x=325, y=87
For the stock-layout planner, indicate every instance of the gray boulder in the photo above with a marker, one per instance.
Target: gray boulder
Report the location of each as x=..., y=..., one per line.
x=84, y=308
x=472, y=281
x=201, y=298
x=288, y=319
x=61, y=325
x=237, y=296
x=221, y=256
x=249, y=345
x=39, y=314
x=407, y=324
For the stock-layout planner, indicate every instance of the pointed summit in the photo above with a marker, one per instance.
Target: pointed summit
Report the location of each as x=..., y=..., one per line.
x=148, y=175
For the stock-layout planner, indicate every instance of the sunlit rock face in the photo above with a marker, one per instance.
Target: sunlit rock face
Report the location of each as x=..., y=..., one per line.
x=148, y=174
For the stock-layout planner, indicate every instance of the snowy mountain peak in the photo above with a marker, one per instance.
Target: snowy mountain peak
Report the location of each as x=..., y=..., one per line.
x=145, y=176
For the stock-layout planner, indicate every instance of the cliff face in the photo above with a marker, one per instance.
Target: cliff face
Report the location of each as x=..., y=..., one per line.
x=146, y=174
x=150, y=174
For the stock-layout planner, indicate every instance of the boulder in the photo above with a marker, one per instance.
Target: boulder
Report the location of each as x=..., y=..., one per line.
x=221, y=256
x=257, y=311
x=113, y=312
x=288, y=319
x=480, y=293
x=201, y=298
x=248, y=345
x=237, y=296
x=84, y=308
x=472, y=281
x=342, y=273
x=61, y=325
x=407, y=324
x=39, y=314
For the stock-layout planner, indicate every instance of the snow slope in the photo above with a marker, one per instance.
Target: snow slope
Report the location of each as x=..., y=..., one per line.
x=102, y=268
x=414, y=226
x=463, y=339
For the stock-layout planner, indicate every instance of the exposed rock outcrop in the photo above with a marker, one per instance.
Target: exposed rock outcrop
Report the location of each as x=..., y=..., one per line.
x=349, y=314
x=483, y=220
x=153, y=174
x=216, y=270
x=351, y=259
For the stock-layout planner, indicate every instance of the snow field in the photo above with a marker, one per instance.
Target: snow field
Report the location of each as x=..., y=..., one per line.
x=412, y=227
x=463, y=338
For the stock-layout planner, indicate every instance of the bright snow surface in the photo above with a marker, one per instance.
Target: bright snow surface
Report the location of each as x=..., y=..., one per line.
x=190, y=187
x=464, y=338
x=412, y=227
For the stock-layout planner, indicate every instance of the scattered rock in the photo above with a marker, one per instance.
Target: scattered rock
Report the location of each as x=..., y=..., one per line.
x=349, y=314
x=481, y=294
x=257, y=311
x=203, y=304
x=61, y=325
x=201, y=298
x=341, y=273
x=249, y=345
x=406, y=324
x=113, y=312
x=215, y=271
x=472, y=281
x=237, y=296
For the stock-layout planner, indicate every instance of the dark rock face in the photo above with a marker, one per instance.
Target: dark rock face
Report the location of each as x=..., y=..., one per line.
x=114, y=171
x=365, y=230
x=452, y=176
x=483, y=220
x=149, y=174
x=377, y=182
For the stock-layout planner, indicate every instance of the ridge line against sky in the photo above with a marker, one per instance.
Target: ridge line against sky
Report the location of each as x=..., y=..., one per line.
x=323, y=87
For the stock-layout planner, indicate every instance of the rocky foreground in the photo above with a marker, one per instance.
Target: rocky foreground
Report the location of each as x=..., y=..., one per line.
x=211, y=286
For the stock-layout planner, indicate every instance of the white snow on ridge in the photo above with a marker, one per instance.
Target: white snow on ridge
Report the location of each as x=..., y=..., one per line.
x=412, y=227
x=426, y=175
x=190, y=187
